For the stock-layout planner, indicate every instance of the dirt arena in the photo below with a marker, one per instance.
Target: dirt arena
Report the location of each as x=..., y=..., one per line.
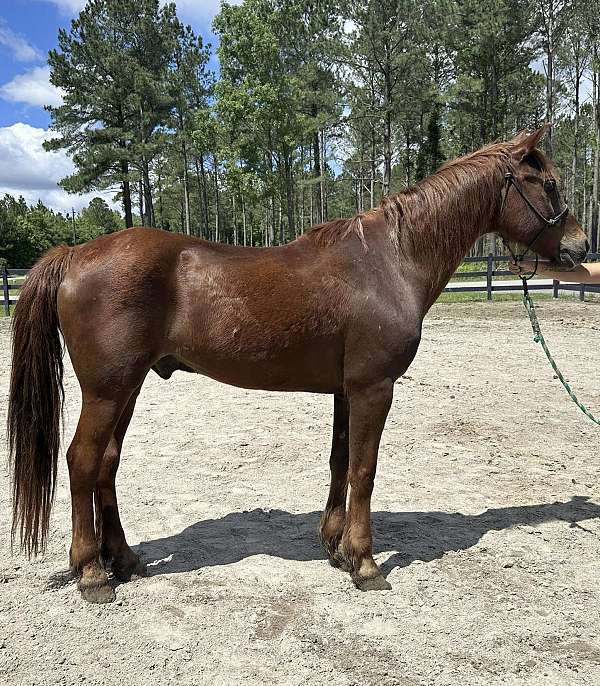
x=486, y=517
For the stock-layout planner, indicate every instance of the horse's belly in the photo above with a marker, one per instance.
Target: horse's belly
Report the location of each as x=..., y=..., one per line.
x=308, y=367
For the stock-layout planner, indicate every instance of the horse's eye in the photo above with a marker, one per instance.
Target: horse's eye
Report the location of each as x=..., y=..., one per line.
x=550, y=186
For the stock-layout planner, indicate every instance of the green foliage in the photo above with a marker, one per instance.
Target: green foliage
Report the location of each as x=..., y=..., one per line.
x=26, y=232
x=96, y=220
x=124, y=66
x=318, y=109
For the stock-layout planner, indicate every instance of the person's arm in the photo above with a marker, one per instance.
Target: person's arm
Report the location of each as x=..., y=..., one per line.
x=584, y=273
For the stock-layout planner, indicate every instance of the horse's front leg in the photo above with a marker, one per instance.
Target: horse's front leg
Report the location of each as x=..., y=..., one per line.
x=369, y=407
x=334, y=516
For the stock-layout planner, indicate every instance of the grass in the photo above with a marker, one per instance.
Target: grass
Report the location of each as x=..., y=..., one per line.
x=466, y=267
x=449, y=298
x=468, y=270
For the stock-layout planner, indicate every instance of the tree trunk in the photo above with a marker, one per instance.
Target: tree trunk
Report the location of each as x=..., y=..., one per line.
x=149, y=207
x=273, y=222
x=125, y=180
x=550, y=79
x=387, y=131
x=126, y=194
x=594, y=198
x=244, y=218
x=317, y=174
x=407, y=155
x=141, y=200
x=204, y=197
x=202, y=226
x=373, y=145
x=186, y=189
x=574, y=165
x=160, y=201
x=302, y=190
x=578, y=73
x=289, y=188
x=312, y=207
x=217, y=200
x=324, y=210
x=584, y=182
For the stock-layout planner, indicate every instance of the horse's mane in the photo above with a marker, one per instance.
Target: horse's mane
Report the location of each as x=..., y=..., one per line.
x=331, y=232
x=460, y=194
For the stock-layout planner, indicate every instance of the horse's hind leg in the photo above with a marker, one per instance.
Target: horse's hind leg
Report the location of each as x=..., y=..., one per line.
x=334, y=516
x=97, y=422
x=109, y=530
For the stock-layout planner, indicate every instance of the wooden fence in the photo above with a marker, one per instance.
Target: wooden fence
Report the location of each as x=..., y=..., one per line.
x=460, y=283
x=8, y=276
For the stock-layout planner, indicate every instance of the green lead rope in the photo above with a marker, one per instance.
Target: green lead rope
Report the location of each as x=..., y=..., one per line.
x=538, y=337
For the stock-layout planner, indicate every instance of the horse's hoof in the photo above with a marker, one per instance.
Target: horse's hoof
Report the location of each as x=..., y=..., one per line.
x=374, y=583
x=124, y=572
x=93, y=585
x=98, y=594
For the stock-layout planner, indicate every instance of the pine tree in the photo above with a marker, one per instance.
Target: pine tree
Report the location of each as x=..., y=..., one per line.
x=112, y=67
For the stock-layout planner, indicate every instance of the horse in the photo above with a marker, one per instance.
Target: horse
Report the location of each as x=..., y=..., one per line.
x=339, y=310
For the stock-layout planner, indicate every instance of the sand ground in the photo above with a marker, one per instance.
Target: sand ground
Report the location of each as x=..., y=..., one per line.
x=486, y=514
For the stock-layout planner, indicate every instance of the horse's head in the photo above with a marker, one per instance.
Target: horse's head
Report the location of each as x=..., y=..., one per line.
x=533, y=212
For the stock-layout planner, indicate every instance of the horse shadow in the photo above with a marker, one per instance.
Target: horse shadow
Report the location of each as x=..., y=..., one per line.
x=421, y=536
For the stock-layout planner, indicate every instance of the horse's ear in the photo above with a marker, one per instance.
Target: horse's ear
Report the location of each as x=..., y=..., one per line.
x=525, y=143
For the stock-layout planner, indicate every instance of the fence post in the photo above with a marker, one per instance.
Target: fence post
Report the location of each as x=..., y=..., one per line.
x=490, y=269
x=5, y=290
x=582, y=292
x=555, y=288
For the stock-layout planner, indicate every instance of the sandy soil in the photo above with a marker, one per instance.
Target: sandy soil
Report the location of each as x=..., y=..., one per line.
x=486, y=513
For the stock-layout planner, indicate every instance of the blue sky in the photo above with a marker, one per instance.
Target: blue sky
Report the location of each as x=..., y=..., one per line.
x=28, y=29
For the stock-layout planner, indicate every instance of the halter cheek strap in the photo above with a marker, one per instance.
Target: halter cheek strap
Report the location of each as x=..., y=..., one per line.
x=509, y=180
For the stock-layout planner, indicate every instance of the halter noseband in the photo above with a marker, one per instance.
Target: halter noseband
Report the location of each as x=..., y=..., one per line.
x=509, y=180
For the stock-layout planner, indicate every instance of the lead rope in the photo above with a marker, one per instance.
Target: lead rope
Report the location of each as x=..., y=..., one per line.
x=538, y=337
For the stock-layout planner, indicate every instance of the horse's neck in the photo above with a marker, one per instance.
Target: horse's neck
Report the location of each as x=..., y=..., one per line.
x=443, y=233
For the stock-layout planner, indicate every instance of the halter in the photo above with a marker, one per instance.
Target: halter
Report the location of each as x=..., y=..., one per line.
x=558, y=219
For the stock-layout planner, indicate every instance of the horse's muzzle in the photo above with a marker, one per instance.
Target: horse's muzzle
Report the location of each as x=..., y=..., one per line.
x=572, y=252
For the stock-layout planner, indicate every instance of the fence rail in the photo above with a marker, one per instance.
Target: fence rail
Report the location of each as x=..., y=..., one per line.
x=489, y=286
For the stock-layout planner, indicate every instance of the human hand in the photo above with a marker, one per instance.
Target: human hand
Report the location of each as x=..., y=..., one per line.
x=522, y=268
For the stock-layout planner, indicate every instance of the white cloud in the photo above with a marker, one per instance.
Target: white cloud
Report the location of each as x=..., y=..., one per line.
x=188, y=10
x=199, y=10
x=69, y=6
x=20, y=47
x=32, y=88
x=27, y=169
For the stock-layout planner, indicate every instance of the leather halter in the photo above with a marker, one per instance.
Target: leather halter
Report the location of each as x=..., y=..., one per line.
x=548, y=222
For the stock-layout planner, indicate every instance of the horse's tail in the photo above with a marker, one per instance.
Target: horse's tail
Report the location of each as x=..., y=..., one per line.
x=35, y=399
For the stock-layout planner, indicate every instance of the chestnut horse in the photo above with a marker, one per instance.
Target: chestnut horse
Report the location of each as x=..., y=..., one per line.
x=339, y=310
